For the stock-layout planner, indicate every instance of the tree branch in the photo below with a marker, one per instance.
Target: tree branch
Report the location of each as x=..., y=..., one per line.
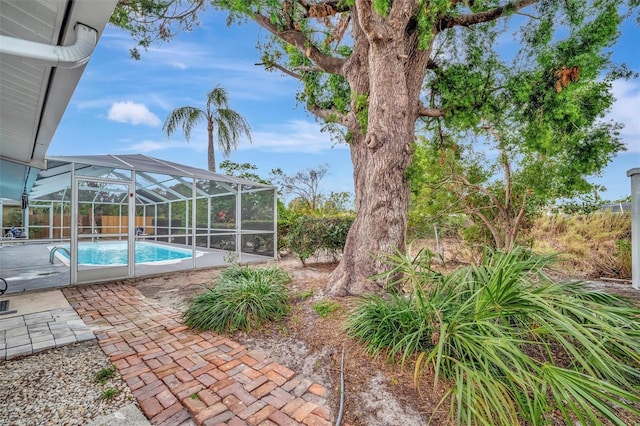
x=281, y=68
x=450, y=21
x=400, y=13
x=504, y=159
x=432, y=65
x=528, y=15
x=328, y=115
x=519, y=218
x=495, y=233
x=307, y=68
x=483, y=190
x=338, y=6
x=299, y=40
x=424, y=111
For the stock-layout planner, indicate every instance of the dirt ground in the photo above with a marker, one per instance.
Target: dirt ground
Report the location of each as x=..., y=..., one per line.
x=376, y=392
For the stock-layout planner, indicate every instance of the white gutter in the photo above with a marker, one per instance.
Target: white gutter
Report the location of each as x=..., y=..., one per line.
x=40, y=164
x=72, y=56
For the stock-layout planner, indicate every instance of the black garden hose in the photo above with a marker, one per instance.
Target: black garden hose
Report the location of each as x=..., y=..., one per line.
x=341, y=410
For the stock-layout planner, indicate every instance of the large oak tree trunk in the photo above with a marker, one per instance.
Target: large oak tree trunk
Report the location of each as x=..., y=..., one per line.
x=380, y=158
x=380, y=224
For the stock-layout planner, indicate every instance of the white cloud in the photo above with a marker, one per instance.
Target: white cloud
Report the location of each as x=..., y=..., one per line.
x=94, y=103
x=133, y=113
x=161, y=101
x=179, y=65
x=147, y=146
x=626, y=110
x=294, y=136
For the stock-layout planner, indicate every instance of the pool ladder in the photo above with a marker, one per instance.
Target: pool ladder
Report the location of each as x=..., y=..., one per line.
x=54, y=250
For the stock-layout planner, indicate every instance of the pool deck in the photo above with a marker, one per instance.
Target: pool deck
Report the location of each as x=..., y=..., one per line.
x=25, y=266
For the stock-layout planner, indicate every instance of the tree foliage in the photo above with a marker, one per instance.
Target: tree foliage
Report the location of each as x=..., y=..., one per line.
x=304, y=184
x=306, y=187
x=152, y=20
x=243, y=171
x=538, y=135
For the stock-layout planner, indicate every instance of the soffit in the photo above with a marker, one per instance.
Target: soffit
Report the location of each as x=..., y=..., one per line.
x=34, y=94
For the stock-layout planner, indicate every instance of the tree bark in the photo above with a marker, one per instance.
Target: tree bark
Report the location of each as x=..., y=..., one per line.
x=380, y=153
x=211, y=156
x=380, y=224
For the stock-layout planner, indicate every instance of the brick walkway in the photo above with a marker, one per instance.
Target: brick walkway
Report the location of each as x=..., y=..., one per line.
x=177, y=375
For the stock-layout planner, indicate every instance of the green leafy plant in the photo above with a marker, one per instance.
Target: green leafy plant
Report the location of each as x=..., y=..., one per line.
x=105, y=374
x=110, y=393
x=241, y=299
x=307, y=235
x=326, y=307
x=305, y=294
x=511, y=345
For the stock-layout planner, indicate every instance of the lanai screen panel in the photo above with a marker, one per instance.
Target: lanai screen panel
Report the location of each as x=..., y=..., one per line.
x=216, y=223
x=258, y=221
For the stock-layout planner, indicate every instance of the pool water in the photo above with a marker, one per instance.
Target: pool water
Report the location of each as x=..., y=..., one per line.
x=115, y=253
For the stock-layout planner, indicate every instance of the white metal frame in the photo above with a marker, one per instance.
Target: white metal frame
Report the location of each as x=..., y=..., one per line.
x=634, y=174
x=98, y=274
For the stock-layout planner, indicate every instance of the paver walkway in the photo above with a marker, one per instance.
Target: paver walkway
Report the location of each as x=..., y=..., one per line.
x=176, y=374
x=39, y=331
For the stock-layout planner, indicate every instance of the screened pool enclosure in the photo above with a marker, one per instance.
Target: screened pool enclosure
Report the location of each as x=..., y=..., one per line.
x=108, y=217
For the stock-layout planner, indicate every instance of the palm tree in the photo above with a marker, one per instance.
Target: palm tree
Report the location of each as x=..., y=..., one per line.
x=229, y=123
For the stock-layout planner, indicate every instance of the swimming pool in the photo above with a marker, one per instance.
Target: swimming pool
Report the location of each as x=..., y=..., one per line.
x=115, y=253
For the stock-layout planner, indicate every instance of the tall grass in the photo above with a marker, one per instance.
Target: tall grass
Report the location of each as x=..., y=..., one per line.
x=241, y=299
x=591, y=245
x=512, y=346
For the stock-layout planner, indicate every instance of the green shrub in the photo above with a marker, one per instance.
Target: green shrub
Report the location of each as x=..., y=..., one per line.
x=241, y=299
x=307, y=235
x=514, y=346
x=286, y=218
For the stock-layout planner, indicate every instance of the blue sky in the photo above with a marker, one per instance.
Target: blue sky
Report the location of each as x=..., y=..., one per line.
x=120, y=105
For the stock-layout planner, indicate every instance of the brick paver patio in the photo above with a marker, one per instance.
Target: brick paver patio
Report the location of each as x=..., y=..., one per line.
x=178, y=375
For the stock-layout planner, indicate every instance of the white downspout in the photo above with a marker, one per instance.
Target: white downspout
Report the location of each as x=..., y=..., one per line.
x=72, y=56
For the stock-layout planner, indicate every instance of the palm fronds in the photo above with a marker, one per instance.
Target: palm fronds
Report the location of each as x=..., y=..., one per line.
x=241, y=299
x=512, y=345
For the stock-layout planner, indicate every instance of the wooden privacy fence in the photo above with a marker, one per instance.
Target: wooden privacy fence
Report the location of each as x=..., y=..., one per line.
x=118, y=224
x=103, y=225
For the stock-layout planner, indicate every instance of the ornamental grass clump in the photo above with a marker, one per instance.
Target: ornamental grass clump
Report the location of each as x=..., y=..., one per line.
x=512, y=346
x=241, y=299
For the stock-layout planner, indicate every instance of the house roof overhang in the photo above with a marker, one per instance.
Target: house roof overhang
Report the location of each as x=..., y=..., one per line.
x=45, y=46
